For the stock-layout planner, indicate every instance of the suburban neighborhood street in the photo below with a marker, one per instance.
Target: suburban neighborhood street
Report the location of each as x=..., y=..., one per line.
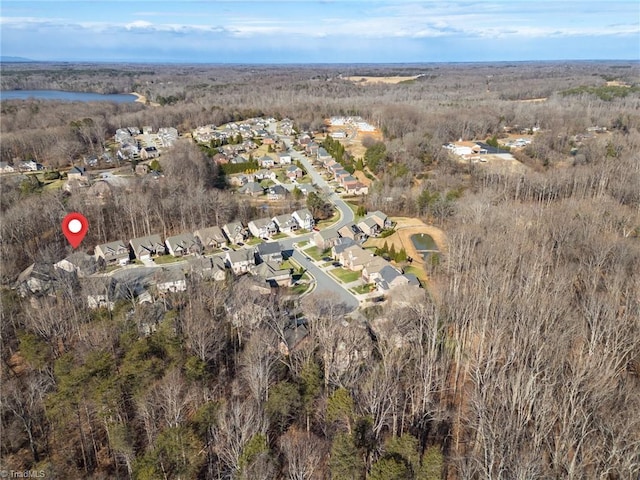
x=139, y=276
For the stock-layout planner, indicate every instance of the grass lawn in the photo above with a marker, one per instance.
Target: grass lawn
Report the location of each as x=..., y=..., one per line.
x=280, y=235
x=417, y=271
x=314, y=252
x=360, y=289
x=254, y=241
x=344, y=275
x=300, y=288
x=162, y=259
x=329, y=221
x=303, y=244
x=302, y=231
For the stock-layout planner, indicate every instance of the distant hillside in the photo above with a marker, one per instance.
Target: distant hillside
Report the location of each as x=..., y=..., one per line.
x=5, y=59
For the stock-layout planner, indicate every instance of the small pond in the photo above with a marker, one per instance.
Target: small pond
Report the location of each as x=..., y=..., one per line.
x=425, y=246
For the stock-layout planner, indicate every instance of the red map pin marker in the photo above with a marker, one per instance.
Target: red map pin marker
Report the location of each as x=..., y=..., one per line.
x=75, y=227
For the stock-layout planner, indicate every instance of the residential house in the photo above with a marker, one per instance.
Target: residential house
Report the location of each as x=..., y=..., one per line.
x=354, y=187
x=144, y=248
x=341, y=174
x=78, y=173
x=286, y=223
x=304, y=140
x=208, y=268
x=220, y=159
x=352, y=231
x=262, y=227
x=142, y=169
x=284, y=158
x=264, y=174
x=373, y=269
x=235, y=232
x=355, y=258
x=149, y=152
x=293, y=172
x=325, y=239
x=6, y=168
x=389, y=278
x=211, y=237
x=253, y=189
x=268, y=252
x=382, y=220
x=304, y=218
x=112, y=253
x=323, y=155
x=78, y=263
x=268, y=140
x=239, y=159
x=31, y=166
x=335, y=167
x=102, y=292
x=238, y=180
x=183, y=244
x=312, y=148
x=273, y=274
x=36, y=279
x=277, y=192
x=340, y=245
x=369, y=227
x=240, y=261
x=170, y=280
x=266, y=161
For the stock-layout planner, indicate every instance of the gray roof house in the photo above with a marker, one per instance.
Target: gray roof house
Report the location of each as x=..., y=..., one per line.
x=262, y=227
x=381, y=219
x=183, y=244
x=252, y=188
x=369, y=227
x=269, y=252
x=78, y=263
x=325, y=238
x=208, y=268
x=147, y=247
x=235, y=232
x=273, y=274
x=240, y=261
x=304, y=218
x=113, y=253
x=352, y=231
x=170, y=280
x=211, y=237
x=102, y=292
x=286, y=223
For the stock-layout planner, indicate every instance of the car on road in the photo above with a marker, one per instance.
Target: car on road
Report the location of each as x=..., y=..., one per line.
x=241, y=244
x=316, y=229
x=336, y=264
x=226, y=249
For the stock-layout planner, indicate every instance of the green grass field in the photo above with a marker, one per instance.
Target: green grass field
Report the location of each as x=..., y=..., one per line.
x=344, y=275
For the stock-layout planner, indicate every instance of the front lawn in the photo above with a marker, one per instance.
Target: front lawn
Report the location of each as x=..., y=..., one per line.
x=280, y=235
x=254, y=241
x=314, y=252
x=162, y=259
x=360, y=289
x=344, y=275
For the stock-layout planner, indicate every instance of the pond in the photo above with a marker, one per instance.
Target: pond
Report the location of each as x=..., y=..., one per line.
x=62, y=96
x=425, y=246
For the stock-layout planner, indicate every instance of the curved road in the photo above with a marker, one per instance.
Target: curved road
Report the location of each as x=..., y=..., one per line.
x=325, y=284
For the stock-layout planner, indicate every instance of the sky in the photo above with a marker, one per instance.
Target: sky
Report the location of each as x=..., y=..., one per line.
x=329, y=31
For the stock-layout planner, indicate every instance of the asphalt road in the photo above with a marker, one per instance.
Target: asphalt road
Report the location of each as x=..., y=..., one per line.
x=141, y=276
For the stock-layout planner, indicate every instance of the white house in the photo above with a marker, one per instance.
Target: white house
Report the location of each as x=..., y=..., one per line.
x=304, y=218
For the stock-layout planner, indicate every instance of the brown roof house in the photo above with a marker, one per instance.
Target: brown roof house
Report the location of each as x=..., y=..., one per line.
x=211, y=237
x=183, y=244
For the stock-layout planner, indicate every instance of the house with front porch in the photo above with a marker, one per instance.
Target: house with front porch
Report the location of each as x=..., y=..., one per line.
x=262, y=227
x=211, y=237
x=183, y=244
x=284, y=158
x=304, y=218
x=112, y=253
x=325, y=239
x=369, y=227
x=235, y=232
x=286, y=223
x=240, y=261
x=144, y=248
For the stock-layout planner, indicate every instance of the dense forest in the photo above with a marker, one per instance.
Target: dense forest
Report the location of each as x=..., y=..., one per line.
x=522, y=359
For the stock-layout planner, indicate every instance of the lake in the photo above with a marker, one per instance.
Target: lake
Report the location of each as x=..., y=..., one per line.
x=62, y=96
